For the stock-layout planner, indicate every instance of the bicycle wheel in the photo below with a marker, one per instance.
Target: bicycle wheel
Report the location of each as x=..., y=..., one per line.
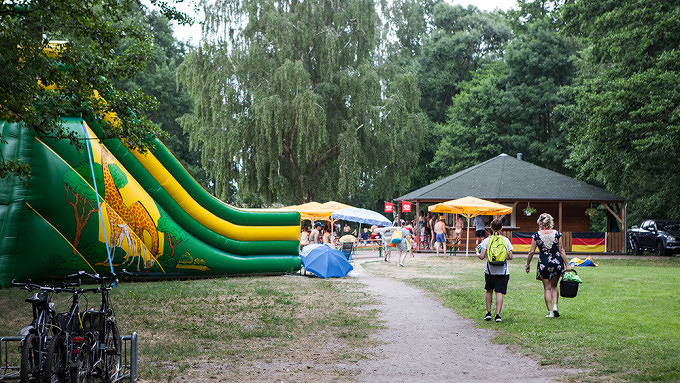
x=55, y=360
x=112, y=351
x=81, y=368
x=30, y=359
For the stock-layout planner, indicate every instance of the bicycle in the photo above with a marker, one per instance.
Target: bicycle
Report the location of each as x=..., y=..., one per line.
x=88, y=349
x=36, y=335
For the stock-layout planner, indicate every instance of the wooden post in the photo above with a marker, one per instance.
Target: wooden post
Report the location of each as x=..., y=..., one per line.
x=417, y=234
x=559, y=225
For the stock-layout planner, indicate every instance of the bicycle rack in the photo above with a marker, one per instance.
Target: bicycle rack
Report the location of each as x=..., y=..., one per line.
x=8, y=371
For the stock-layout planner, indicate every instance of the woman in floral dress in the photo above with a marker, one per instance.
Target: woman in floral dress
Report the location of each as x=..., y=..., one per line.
x=551, y=261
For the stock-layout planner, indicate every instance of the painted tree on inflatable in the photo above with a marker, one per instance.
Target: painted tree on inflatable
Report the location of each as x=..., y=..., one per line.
x=80, y=195
x=174, y=234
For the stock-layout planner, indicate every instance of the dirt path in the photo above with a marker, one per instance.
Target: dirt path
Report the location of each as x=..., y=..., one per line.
x=427, y=342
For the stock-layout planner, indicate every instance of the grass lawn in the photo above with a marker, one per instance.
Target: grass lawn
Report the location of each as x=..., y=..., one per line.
x=251, y=329
x=624, y=325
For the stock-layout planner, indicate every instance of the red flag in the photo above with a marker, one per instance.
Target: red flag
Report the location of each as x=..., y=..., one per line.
x=406, y=206
x=389, y=208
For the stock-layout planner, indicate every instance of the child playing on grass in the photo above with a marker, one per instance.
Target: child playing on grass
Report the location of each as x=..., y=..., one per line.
x=496, y=276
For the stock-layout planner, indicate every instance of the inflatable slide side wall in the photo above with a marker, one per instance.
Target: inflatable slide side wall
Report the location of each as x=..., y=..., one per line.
x=152, y=217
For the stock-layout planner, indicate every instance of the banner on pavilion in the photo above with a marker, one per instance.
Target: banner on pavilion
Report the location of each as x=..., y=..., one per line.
x=405, y=206
x=521, y=241
x=588, y=242
x=389, y=207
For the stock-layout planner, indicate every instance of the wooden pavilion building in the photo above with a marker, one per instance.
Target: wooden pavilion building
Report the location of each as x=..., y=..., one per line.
x=513, y=182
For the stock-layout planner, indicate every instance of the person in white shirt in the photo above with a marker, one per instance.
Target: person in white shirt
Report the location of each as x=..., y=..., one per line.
x=304, y=236
x=496, y=276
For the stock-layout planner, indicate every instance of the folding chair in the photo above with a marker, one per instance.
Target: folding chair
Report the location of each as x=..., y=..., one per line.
x=347, y=249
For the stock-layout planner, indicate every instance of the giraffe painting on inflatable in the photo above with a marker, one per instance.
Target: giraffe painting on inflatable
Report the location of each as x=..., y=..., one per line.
x=128, y=223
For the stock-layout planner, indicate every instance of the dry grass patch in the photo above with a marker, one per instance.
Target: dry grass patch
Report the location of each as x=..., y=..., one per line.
x=254, y=329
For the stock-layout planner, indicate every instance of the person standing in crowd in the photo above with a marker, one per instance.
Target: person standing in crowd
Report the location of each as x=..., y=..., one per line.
x=433, y=235
x=480, y=229
x=440, y=234
x=406, y=245
x=412, y=237
x=386, y=233
x=496, y=277
x=421, y=230
x=314, y=235
x=326, y=235
x=428, y=231
x=551, y=261
x=458, y=232
x=304, y=236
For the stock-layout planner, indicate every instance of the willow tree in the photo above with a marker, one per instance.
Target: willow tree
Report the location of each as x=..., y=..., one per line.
x=293, y=104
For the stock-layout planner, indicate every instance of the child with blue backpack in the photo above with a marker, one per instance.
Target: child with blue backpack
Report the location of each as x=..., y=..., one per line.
x=497, y=250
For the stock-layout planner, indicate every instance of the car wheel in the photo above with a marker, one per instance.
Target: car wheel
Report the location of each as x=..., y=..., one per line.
x=634, y=248
x=660, y=250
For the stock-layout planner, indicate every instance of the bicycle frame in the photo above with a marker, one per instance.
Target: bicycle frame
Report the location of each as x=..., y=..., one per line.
x=89, y=347
x=35, y=336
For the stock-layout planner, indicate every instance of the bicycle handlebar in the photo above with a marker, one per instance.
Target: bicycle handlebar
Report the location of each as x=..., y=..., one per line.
x=30, y=286
x=111, y=278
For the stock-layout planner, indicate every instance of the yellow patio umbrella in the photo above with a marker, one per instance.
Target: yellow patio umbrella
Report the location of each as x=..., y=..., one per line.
x=334, y=206
x=311, y=210
x=470, y=207
x=315, y=211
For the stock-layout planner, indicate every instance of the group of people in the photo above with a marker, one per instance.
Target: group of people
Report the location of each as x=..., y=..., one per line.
x=433, y=234
x=429, y=228
x=552, y=263
x=319, y=234
x=322, y=233
x=552, y=258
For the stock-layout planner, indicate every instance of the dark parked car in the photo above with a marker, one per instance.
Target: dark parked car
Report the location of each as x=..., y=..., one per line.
x=660, y=236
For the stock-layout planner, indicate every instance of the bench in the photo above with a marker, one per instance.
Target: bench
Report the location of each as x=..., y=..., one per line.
x=454, y=247
x=372, y=244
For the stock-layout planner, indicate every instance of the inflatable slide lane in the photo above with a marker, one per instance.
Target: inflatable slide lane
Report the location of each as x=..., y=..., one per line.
x=108, y=207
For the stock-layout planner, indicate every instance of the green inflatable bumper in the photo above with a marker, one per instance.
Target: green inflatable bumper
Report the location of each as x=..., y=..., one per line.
x=146, y=215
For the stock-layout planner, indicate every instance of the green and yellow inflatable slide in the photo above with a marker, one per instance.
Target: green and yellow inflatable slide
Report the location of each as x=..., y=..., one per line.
x=145, y=212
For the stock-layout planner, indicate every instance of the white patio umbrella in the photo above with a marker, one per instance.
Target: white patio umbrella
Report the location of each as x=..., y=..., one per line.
x=356, y=214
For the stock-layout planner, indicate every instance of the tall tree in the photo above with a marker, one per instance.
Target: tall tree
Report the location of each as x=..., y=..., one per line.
x=40, y=82
x=461, y=41
x=624, y=121
x=538, y=67
x=292, y=105
x=509, y=105
x=477, y=128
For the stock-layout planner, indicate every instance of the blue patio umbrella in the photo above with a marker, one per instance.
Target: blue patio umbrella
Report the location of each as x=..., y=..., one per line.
x=326, y=262
x=310, y=247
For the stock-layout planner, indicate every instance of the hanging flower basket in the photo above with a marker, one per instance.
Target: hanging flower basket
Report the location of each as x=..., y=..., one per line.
x=591, y=212
x=529, y=211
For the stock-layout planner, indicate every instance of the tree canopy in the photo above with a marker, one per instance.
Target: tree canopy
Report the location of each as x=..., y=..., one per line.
x=293, y=104
x=623, y=118
x=53, y=54
x=356, y=101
